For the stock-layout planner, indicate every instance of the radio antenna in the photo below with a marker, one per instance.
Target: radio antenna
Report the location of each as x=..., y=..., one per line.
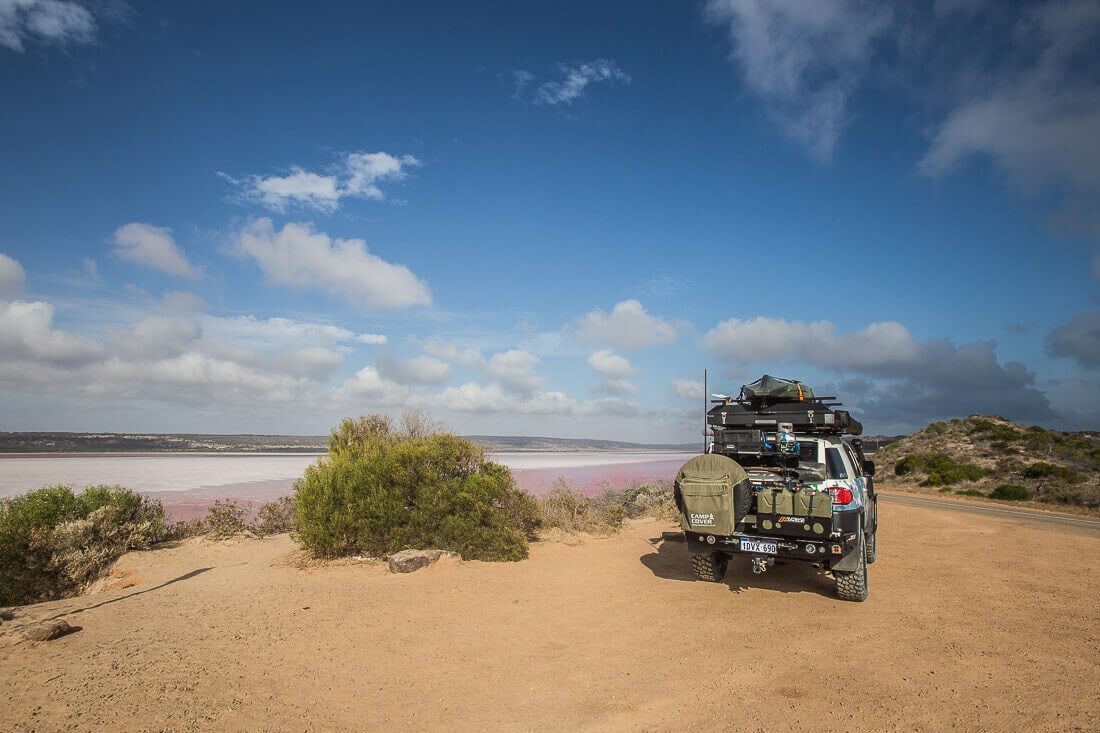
x=704, y=409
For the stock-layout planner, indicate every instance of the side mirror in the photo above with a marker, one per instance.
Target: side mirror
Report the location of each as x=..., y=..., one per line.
x=868, y=468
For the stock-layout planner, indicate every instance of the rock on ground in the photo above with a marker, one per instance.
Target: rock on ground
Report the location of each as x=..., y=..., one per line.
x=408, y=561
x=47, y=630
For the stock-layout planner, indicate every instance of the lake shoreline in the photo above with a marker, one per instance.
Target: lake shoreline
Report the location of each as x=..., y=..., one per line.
x=187, y=484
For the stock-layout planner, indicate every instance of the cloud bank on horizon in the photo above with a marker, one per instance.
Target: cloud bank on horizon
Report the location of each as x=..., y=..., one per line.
x=893, y=202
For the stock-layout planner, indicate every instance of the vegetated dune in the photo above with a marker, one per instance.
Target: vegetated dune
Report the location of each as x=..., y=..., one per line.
x=974, y=622
x=985, y=455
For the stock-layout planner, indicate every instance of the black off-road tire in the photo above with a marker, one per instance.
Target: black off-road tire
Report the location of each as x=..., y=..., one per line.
x=869, y=548
x=710, y=568
x=852, y=585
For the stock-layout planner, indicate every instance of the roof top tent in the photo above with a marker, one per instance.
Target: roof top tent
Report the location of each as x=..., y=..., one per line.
x=770, y=403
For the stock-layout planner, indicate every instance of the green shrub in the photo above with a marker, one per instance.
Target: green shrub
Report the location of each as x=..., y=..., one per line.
x=969, y=492
x=226, y=518
x=382, y=490
x=939, y=469
x=1010, y=492
x=992, y=430
x=1075, y=494
x=185, y=528
x=1042, y=470
x=909, y=464
x=53, y=543
x=275, y=517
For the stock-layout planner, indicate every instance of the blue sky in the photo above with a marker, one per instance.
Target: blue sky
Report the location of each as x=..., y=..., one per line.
x=545, y=219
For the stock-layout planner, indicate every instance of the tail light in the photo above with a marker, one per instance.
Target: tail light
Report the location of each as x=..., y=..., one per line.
x=841, y=495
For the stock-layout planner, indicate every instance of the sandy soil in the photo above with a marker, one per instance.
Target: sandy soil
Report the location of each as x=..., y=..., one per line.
x=973, y=623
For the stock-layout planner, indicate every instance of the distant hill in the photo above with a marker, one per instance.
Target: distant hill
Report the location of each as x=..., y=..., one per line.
x=515, y=443
x=152, y=442
x=197, y=443
x=989, y=456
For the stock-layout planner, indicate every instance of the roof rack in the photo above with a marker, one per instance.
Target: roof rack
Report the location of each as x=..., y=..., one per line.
x=812, y=415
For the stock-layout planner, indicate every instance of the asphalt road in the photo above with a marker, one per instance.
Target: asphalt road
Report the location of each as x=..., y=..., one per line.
x=1083, y=525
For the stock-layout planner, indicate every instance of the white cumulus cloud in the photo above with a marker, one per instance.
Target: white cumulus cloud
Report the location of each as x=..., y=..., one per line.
x=453, y=352
x=12, y=277
x=618, y=387
x=417, y=370
x=926, y=379
x=627, y=327
x=766, y=339
x=156, y=336
x=53, y=21
x=153, y=247
x=370, y=386
x=515, y=371
x=356, y=175
x=688, y=389
x=606, y=361
x=27, y=336
x=300, y=257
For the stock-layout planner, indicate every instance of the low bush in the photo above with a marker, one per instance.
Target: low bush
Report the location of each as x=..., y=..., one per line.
x=226, y=518
x=1042, y=470
x=275, y=517
x=1010, y=492
x=185, y=528
x=1073, y=494
x=565, y=507
x=993, y=430
x=54, y=542
x=939, y=469
x=968, y=492
x=383, y=489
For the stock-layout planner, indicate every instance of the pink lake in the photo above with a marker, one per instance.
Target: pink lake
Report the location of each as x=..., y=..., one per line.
x=188, y=484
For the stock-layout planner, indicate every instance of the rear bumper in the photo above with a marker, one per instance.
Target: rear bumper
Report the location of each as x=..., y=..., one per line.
x=833, y=550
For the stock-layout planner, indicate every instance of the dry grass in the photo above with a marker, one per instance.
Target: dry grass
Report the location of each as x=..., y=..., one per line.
x=568, y=509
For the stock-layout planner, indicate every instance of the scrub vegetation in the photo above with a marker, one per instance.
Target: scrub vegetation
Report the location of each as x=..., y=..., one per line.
x=939, y=469
x=53, y=542
x=569, y=509
x=383, y=488
x=989, y=456
x=386, y=486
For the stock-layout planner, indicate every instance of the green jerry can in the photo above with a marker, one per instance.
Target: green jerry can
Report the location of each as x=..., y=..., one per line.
x=775, y=501
x=813, y=503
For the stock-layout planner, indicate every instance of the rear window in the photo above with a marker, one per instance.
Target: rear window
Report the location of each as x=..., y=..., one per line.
x=834, y=464
x=807, y=452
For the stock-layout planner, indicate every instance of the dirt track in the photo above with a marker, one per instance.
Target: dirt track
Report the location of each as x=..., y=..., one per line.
x=974, y=622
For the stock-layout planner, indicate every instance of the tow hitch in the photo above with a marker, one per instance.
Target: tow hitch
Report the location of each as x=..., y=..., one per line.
x=760, y=563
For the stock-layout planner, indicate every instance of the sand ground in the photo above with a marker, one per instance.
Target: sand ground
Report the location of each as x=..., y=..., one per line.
x=973, y=623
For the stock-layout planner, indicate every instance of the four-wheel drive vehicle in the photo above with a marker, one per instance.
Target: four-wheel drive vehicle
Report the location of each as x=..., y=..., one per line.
x=780, y=482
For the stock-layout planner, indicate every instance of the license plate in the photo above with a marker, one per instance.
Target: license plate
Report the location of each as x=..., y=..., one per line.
x=764, y=547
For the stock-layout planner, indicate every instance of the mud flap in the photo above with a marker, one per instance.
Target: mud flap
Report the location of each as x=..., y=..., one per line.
x=850, y=562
